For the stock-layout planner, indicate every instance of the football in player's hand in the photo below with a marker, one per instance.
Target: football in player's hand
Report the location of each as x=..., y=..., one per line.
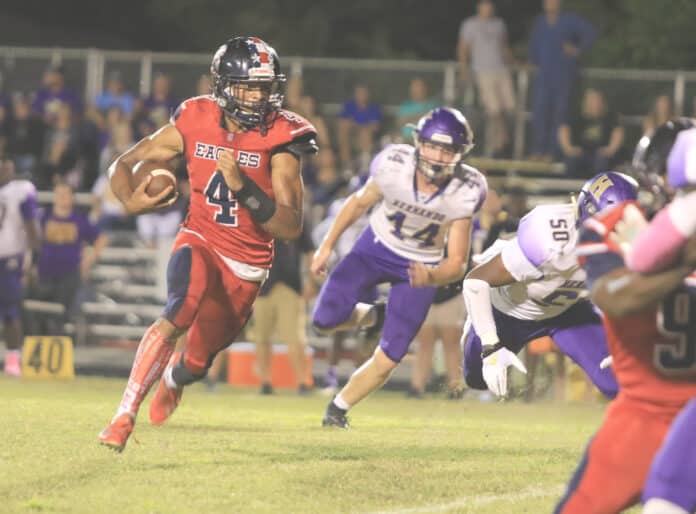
x=162, y=178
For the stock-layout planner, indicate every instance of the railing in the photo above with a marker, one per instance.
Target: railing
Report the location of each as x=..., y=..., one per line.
x=330, y=80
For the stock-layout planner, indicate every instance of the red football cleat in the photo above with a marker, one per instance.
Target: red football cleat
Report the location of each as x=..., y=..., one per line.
x=115, y=436
x=164, y=402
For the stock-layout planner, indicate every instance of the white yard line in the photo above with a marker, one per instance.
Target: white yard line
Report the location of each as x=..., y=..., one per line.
x=485, y=499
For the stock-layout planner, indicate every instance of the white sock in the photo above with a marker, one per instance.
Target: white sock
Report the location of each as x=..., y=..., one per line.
x=340, y=402
x=168, y=378
x=660, y=506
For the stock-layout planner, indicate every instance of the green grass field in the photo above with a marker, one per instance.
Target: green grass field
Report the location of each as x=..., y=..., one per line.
x=234, y=451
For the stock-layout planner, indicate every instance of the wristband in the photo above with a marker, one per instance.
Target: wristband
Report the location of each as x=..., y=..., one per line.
x=486, y=350
x=260, y=205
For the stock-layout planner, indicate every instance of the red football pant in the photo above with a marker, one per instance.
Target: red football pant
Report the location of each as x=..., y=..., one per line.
x=612, y=474
x=207, y=298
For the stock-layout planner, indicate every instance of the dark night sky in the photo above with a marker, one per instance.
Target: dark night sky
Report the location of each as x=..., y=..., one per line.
x=362, y=28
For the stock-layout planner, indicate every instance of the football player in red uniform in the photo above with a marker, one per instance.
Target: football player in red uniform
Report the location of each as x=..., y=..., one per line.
x=243, y=157
x=651, y=325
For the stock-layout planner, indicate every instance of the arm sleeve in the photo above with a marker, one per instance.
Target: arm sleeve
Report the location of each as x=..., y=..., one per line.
x=477, y=297
x=659, y=245
x=517, y=263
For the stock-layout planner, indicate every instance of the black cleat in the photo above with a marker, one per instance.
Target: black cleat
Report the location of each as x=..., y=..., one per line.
x=376, y=329
x=335, y=417
x=266, y=389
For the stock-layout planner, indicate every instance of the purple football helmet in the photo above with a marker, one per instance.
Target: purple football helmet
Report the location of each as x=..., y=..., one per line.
x=446, y=128
x=603, y=190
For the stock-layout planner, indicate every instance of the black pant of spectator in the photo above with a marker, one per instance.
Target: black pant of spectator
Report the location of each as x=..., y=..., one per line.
x=62, y=290
x=586, y=165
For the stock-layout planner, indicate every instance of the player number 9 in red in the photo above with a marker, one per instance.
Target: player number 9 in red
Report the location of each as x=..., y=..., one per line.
x=677, y=320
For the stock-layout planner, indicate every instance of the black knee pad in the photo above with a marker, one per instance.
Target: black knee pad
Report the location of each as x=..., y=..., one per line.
x=178, y=280
x=182, y=376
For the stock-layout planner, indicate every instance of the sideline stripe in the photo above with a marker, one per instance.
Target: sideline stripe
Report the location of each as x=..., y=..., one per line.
x=485, y=499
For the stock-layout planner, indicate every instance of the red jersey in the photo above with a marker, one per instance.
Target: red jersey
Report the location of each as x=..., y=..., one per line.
x=214, y=213
x=654, y=351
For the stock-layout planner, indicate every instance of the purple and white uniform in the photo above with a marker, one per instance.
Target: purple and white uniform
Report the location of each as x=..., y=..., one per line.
x=17, y=204
x=406, y=226
x=549, y=297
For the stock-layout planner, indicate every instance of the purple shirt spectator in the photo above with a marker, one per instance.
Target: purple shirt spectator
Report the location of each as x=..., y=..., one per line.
x=46, y=101
x=62, y=241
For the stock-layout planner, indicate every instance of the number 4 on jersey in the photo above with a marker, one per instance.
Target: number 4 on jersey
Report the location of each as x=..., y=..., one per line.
x=217, y=193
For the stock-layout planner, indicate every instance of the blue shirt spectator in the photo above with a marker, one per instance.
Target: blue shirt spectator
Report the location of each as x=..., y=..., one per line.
x=556, y=42
x=115, y=96
x=358, y=123
x=361, y=115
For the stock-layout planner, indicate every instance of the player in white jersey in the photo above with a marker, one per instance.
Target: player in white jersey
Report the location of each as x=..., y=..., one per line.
x=423, y=196
x=532, y=286
x=18, y=233
x=366, y=339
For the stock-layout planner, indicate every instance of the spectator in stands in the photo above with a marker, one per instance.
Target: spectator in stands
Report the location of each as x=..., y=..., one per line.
x=5, y=121
x=515, y=206
x=293, y=92
x=308, y=108
x=417, y=105
x=592, y=141
x=112, y=118
x=661, y=112
x=158, y=227
x=160, y=105
x=280, y=309
x=115, y=95
x=26, y=135
x=54, y=94
x=483, y=47
x=491, y=213
x=358, y=124
x=327, y=182
x=445, y=322
x=61, y=148
x=557, y=40
x=70, y=245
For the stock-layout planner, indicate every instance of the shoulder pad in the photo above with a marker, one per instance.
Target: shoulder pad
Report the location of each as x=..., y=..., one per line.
x=392, y=157
x=547, y=231
x=305, y=144
x=195, y=105
x=471, y=178
x=289, y=126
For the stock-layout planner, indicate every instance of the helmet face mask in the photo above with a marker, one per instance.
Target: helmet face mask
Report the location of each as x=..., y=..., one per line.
x=247, y=83
x=442, y=139
x=649, y=164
